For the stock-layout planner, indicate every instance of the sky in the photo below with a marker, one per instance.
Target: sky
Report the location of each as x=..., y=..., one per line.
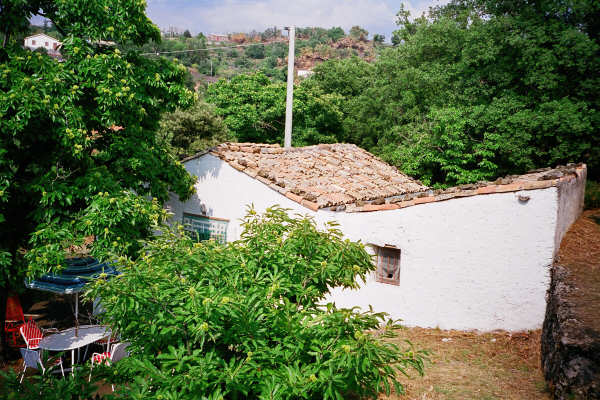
x=226, y=16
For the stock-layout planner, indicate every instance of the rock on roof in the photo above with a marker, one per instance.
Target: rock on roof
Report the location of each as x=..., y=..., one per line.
x=344, y=177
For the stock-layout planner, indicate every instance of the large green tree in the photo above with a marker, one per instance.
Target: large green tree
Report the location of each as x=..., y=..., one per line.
x=253, y=109
x=479, y=89
x=247, y=319
x=79, y=155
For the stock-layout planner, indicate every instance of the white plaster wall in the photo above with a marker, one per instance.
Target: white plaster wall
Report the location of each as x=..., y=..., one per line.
x=40, y=41
x=478, y=262
x=224, y=192
x=571, y=195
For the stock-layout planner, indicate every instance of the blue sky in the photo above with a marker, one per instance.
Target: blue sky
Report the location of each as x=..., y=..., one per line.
x=210, y=16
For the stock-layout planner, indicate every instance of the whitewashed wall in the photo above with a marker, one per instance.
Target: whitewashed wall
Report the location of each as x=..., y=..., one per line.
x=570, y=205
x=40, y=41
x=478, y=262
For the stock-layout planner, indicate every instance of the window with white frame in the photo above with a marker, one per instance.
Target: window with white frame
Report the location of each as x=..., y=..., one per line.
x=201, y=227
x=388, y=264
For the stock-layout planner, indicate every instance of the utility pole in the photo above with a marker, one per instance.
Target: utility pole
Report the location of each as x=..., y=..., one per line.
x=290, y=89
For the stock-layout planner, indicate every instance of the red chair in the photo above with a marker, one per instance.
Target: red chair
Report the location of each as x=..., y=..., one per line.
x=32, y=334
x=14, y=320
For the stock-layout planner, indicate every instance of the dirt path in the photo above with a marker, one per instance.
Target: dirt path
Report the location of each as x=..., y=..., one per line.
x=468, y=365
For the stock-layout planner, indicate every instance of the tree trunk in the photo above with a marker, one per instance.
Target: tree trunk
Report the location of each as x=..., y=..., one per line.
x=3, y=344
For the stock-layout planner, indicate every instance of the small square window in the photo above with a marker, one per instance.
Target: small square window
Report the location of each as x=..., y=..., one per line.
x=46, y=44
x=388, y=265
x=200, y=227
x=33, y=42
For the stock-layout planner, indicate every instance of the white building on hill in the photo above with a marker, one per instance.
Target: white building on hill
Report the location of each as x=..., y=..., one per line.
x=469, y=257
x=36, y=41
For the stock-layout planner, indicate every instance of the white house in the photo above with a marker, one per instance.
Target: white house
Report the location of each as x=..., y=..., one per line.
x=469, y=257
x=304, y=73
x=217, y=37
x=42, y=40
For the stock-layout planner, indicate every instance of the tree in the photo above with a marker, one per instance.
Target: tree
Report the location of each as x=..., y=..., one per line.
x=242, y=62
x=246, y=319
x=78, y=150
x=253, y=108
x=378, y=38
x=407, y=27
x=270, y=33
x=256, y=51
x=350, y=78
x=335, y=34
x=277, y=49
x=187, y=34
x=358, y=33
x=478, y=90
x=192, y=130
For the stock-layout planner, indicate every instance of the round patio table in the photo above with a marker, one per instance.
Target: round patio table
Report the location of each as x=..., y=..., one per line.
x=66, y=340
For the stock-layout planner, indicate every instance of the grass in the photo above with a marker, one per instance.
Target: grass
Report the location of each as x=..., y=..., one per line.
x=475, y=366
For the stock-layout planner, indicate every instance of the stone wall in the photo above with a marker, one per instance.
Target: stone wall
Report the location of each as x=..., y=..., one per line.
x=570, y=352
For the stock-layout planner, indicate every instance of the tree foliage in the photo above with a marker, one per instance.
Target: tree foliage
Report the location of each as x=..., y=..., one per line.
x=192, y=130
x=358, y=33
x=49, y=386
x=253, y=108
x=175, y=48
x=79, y=136
x=246, y=319
x=478, y=89
x=256, y=51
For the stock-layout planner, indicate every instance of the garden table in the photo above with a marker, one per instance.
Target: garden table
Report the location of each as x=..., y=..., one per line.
x=67, y=340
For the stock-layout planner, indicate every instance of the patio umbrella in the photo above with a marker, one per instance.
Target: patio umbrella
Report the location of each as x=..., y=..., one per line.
x=72, y=278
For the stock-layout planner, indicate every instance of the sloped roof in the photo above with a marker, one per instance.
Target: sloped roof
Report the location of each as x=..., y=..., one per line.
x=42, y=34
x=344, y=177
x=319, y=176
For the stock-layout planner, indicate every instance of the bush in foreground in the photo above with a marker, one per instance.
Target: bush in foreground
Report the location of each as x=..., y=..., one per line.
x=245, y=319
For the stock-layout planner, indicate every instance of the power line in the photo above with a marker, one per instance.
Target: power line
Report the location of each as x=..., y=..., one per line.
x=156, y=53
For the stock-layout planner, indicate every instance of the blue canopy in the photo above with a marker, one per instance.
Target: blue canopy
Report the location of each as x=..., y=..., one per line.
x=73, y=277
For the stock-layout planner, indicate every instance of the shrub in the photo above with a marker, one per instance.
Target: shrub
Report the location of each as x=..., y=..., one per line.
x=47, y=386
x=256, y=51
x=592, y=195
x=246, y=319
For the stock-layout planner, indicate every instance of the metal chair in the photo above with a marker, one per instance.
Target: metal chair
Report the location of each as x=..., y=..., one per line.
x=117, y=352
x=32, y=334
x=32, y=359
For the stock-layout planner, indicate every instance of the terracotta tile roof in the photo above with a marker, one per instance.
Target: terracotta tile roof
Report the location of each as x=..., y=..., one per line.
x=326, y=175
x=344, y=177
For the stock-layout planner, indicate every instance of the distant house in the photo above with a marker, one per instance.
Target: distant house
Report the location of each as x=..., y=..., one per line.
x=304, y=73
x=474, y=256
x=217, y=37
x=42, y=40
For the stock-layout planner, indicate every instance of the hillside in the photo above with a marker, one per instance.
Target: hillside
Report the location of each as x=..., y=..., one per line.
x=242, y=53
